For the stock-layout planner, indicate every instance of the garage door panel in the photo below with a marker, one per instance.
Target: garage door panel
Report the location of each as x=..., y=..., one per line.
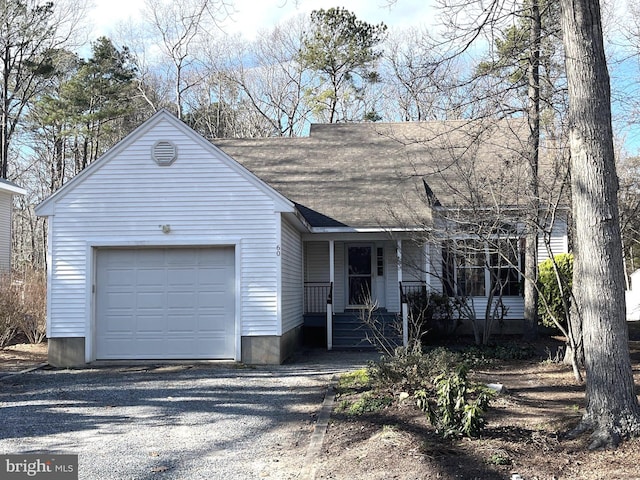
x=150, y=323
x=121, y=324
x=186, y=299
x=165, y=303
x=151, y=277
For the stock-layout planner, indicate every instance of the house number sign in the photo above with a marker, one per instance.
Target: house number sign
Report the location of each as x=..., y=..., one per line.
x=277, y=250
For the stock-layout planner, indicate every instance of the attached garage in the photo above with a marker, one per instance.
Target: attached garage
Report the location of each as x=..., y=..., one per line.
x=165, y=303
x=165, y=248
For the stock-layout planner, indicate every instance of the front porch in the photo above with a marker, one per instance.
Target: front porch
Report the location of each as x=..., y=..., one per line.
x=344, y=278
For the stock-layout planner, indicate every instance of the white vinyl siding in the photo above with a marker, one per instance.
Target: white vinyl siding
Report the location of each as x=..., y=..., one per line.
x=412, y=262
x=316, y=260
x=558, y=241
x=130, y=198
x=5, y=230
x=292, y=285
x=391, y=277
x=340, y=288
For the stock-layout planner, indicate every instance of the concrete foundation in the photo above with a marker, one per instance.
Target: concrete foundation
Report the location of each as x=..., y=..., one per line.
x=270, y=349
x=66, y=352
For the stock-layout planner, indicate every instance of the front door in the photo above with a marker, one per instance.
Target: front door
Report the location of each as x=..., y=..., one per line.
x=359, y=274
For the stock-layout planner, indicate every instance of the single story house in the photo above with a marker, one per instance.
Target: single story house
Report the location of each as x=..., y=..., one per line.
x=173, y=247
x=7, y=191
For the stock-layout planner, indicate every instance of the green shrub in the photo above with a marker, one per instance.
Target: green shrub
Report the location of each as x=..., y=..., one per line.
x=550, y=291
x=487, y=354
x=410, y=371
x=458, y=409
x=434, y=314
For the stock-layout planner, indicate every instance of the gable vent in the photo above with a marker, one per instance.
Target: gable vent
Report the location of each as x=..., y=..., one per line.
x=164, y=153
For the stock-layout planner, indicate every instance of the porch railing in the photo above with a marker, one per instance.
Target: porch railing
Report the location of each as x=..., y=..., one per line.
x=316, y=297
x=409, y=290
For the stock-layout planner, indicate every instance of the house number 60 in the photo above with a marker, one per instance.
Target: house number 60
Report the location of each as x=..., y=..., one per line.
x=277, y=250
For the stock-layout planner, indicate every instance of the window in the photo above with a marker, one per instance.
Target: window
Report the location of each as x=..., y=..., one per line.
x=470, y=268
x=475, y=268
x=380, y=261
x=503, y=263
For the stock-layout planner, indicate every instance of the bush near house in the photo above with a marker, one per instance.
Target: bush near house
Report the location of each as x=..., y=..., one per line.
x=553, y=304
x=23, y=304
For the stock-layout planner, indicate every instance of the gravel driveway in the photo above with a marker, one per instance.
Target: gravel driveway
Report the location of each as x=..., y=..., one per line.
x=203, y=421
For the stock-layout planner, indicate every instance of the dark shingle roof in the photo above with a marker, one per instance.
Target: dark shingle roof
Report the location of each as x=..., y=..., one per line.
x=388, y=174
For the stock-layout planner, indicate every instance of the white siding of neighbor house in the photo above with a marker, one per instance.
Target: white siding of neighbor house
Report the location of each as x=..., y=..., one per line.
x=292, y=284
x=5, y=230
x=126, y=201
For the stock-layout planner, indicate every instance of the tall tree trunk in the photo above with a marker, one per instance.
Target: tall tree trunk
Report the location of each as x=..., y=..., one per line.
x=533, y=146
x=612, y=408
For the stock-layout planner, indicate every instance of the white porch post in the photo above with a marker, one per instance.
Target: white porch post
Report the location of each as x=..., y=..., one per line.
x=404, y=308
x=330, y=305
x=427, y=266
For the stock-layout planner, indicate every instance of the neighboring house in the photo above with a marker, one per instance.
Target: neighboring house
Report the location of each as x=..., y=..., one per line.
x=170, y=247
x=632, y=297
x=7, y=191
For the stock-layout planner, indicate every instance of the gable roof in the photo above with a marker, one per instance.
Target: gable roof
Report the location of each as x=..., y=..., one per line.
x=386, y=175
x=10, y=187
x=46, y=208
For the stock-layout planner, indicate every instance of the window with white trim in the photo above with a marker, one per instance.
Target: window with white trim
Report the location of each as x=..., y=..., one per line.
x=474, y=268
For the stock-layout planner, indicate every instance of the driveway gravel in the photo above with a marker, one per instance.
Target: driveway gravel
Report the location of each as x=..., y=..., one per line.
x=172, y=421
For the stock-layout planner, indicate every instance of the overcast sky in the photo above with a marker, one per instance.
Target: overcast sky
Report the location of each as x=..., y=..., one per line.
x=254, y=15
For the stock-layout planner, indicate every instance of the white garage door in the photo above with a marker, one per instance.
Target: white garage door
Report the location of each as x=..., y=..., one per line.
x=167, y=303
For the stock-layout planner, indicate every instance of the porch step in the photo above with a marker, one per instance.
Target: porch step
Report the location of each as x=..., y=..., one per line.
x=349, y=332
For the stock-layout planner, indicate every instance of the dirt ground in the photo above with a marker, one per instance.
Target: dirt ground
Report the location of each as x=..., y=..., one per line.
x=20, y=356
x=524, y=437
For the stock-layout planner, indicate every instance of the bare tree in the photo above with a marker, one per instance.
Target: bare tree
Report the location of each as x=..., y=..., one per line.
x=181, y=29
x=420, y=83
x=268, y=76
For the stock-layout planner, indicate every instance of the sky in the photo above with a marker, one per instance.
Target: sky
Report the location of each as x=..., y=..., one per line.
x=253, y=15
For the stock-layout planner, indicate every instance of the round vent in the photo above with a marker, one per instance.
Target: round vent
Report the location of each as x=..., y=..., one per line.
x=164, y=153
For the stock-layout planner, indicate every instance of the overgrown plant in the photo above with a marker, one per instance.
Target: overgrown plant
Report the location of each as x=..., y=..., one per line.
x=23, y=306
x=458, y=409
x=555, y=283
x=9, y=310
x=408, y=371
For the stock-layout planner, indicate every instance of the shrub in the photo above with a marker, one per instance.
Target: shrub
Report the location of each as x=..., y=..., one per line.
x=9, y=309
x=409, y=370
x=433, y=313
x=487, y=354
x=458, y=408
x=33, y=321
x=550, y=290
x=23, y=300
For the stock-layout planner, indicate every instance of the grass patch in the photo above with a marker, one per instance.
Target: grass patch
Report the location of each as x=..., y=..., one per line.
x=364, y=404
x=353, y=382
